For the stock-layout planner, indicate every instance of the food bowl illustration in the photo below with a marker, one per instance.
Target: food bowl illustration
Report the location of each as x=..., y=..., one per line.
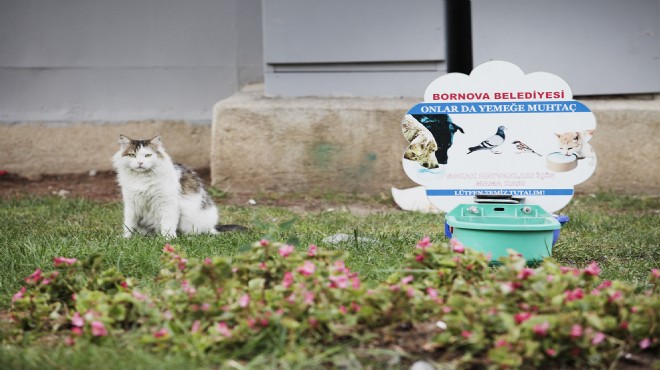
x=560, y=162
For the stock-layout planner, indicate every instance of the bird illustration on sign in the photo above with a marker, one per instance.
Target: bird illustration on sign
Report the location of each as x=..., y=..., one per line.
x=491, y=143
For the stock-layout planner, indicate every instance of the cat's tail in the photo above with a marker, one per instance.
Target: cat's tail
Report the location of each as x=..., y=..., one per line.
x=227, y=228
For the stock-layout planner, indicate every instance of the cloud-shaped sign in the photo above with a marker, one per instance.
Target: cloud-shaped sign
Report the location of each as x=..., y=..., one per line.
x=499, y=131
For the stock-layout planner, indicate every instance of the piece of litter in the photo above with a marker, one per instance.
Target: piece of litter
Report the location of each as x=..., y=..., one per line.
x=441, y=325
x=62, y=193
x=341, y=238
x=252, y=201
x=422, y=365
x=413, y=199
x=92, y=173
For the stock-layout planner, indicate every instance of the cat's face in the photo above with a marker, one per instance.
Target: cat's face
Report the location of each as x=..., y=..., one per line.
x=570, y=142
x=140, y=155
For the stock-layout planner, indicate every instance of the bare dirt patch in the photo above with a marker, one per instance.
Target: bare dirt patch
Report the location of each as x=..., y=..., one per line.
x=102, y=187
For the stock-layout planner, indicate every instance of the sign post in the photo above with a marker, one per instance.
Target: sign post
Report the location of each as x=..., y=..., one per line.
x=499, y=136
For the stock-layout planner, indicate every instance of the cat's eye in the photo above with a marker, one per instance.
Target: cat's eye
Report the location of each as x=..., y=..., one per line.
x=130, y=155
x=148, y=155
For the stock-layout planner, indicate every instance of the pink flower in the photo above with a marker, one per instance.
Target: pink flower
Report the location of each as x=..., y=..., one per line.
x=466, y=334
x=655, y=273
x=208, y=261
x=605, y=284
x=551, y=352
x=34, y=277
x=424, y=243
x=223, y=329
x=308, y=298
x=645, y=343
x=139, y=296
x=182, y=263
x=19, y=294
x=77, y=331
x=355, y=307
x=550, y=278
x=340, y=267
x=287, y=280
x=244, y=300
x=58, y=261
x=168, y=248
x=501, y=343
x=313, y=249
x=286, y=250
x=457, y=246
x=407, y=279
x=188, y=288
x=291, y=298
x=542, y=328
x=576, y=331
x=264, y=242
x=432, y=292
x=343, y=309
x=338, y=281
x=195, y=326
x=307, y=268
x=98, y=329
x=592, y=269
x=525, y=273
x=162, y=332
x=355, y=282
x=521, y=317
x=420, y=257
x=598, y=338
x=77, y=320
x=410, y=292
x=575, y=294
x=614, y=296
x=510, y=286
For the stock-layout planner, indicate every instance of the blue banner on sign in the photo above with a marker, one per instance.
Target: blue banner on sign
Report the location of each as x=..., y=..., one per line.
x=519, y=192
x=568, y=106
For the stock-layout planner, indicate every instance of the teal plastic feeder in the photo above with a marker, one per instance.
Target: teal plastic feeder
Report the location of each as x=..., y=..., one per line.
x=496, y=228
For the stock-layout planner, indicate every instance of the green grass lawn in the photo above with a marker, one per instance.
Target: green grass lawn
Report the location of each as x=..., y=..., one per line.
x=621, y=233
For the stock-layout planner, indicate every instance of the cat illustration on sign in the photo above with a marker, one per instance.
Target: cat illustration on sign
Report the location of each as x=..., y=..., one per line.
x=576, y=143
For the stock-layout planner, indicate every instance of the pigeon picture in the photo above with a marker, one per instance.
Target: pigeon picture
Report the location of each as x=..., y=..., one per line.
x=490, y=143
x=524, y=148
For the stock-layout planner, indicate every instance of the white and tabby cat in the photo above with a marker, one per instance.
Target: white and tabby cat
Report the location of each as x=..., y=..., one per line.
x=160, y=196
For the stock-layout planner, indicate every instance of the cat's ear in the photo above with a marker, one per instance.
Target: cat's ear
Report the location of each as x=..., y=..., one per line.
x=157, y=141
x=558, y=135
x=124, y=141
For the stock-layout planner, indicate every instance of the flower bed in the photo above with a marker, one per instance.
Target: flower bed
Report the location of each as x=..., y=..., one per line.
x=272, y=298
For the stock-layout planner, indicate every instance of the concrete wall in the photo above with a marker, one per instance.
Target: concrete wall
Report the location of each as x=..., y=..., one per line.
x=98, y=60
x=356, y=144
x=75, y=74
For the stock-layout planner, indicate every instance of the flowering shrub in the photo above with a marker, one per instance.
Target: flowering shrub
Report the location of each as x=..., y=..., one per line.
x=79, y=297
x=272, y=298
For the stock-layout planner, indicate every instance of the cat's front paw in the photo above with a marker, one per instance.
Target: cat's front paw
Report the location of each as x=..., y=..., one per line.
x=169, y=235
x=127, y=234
